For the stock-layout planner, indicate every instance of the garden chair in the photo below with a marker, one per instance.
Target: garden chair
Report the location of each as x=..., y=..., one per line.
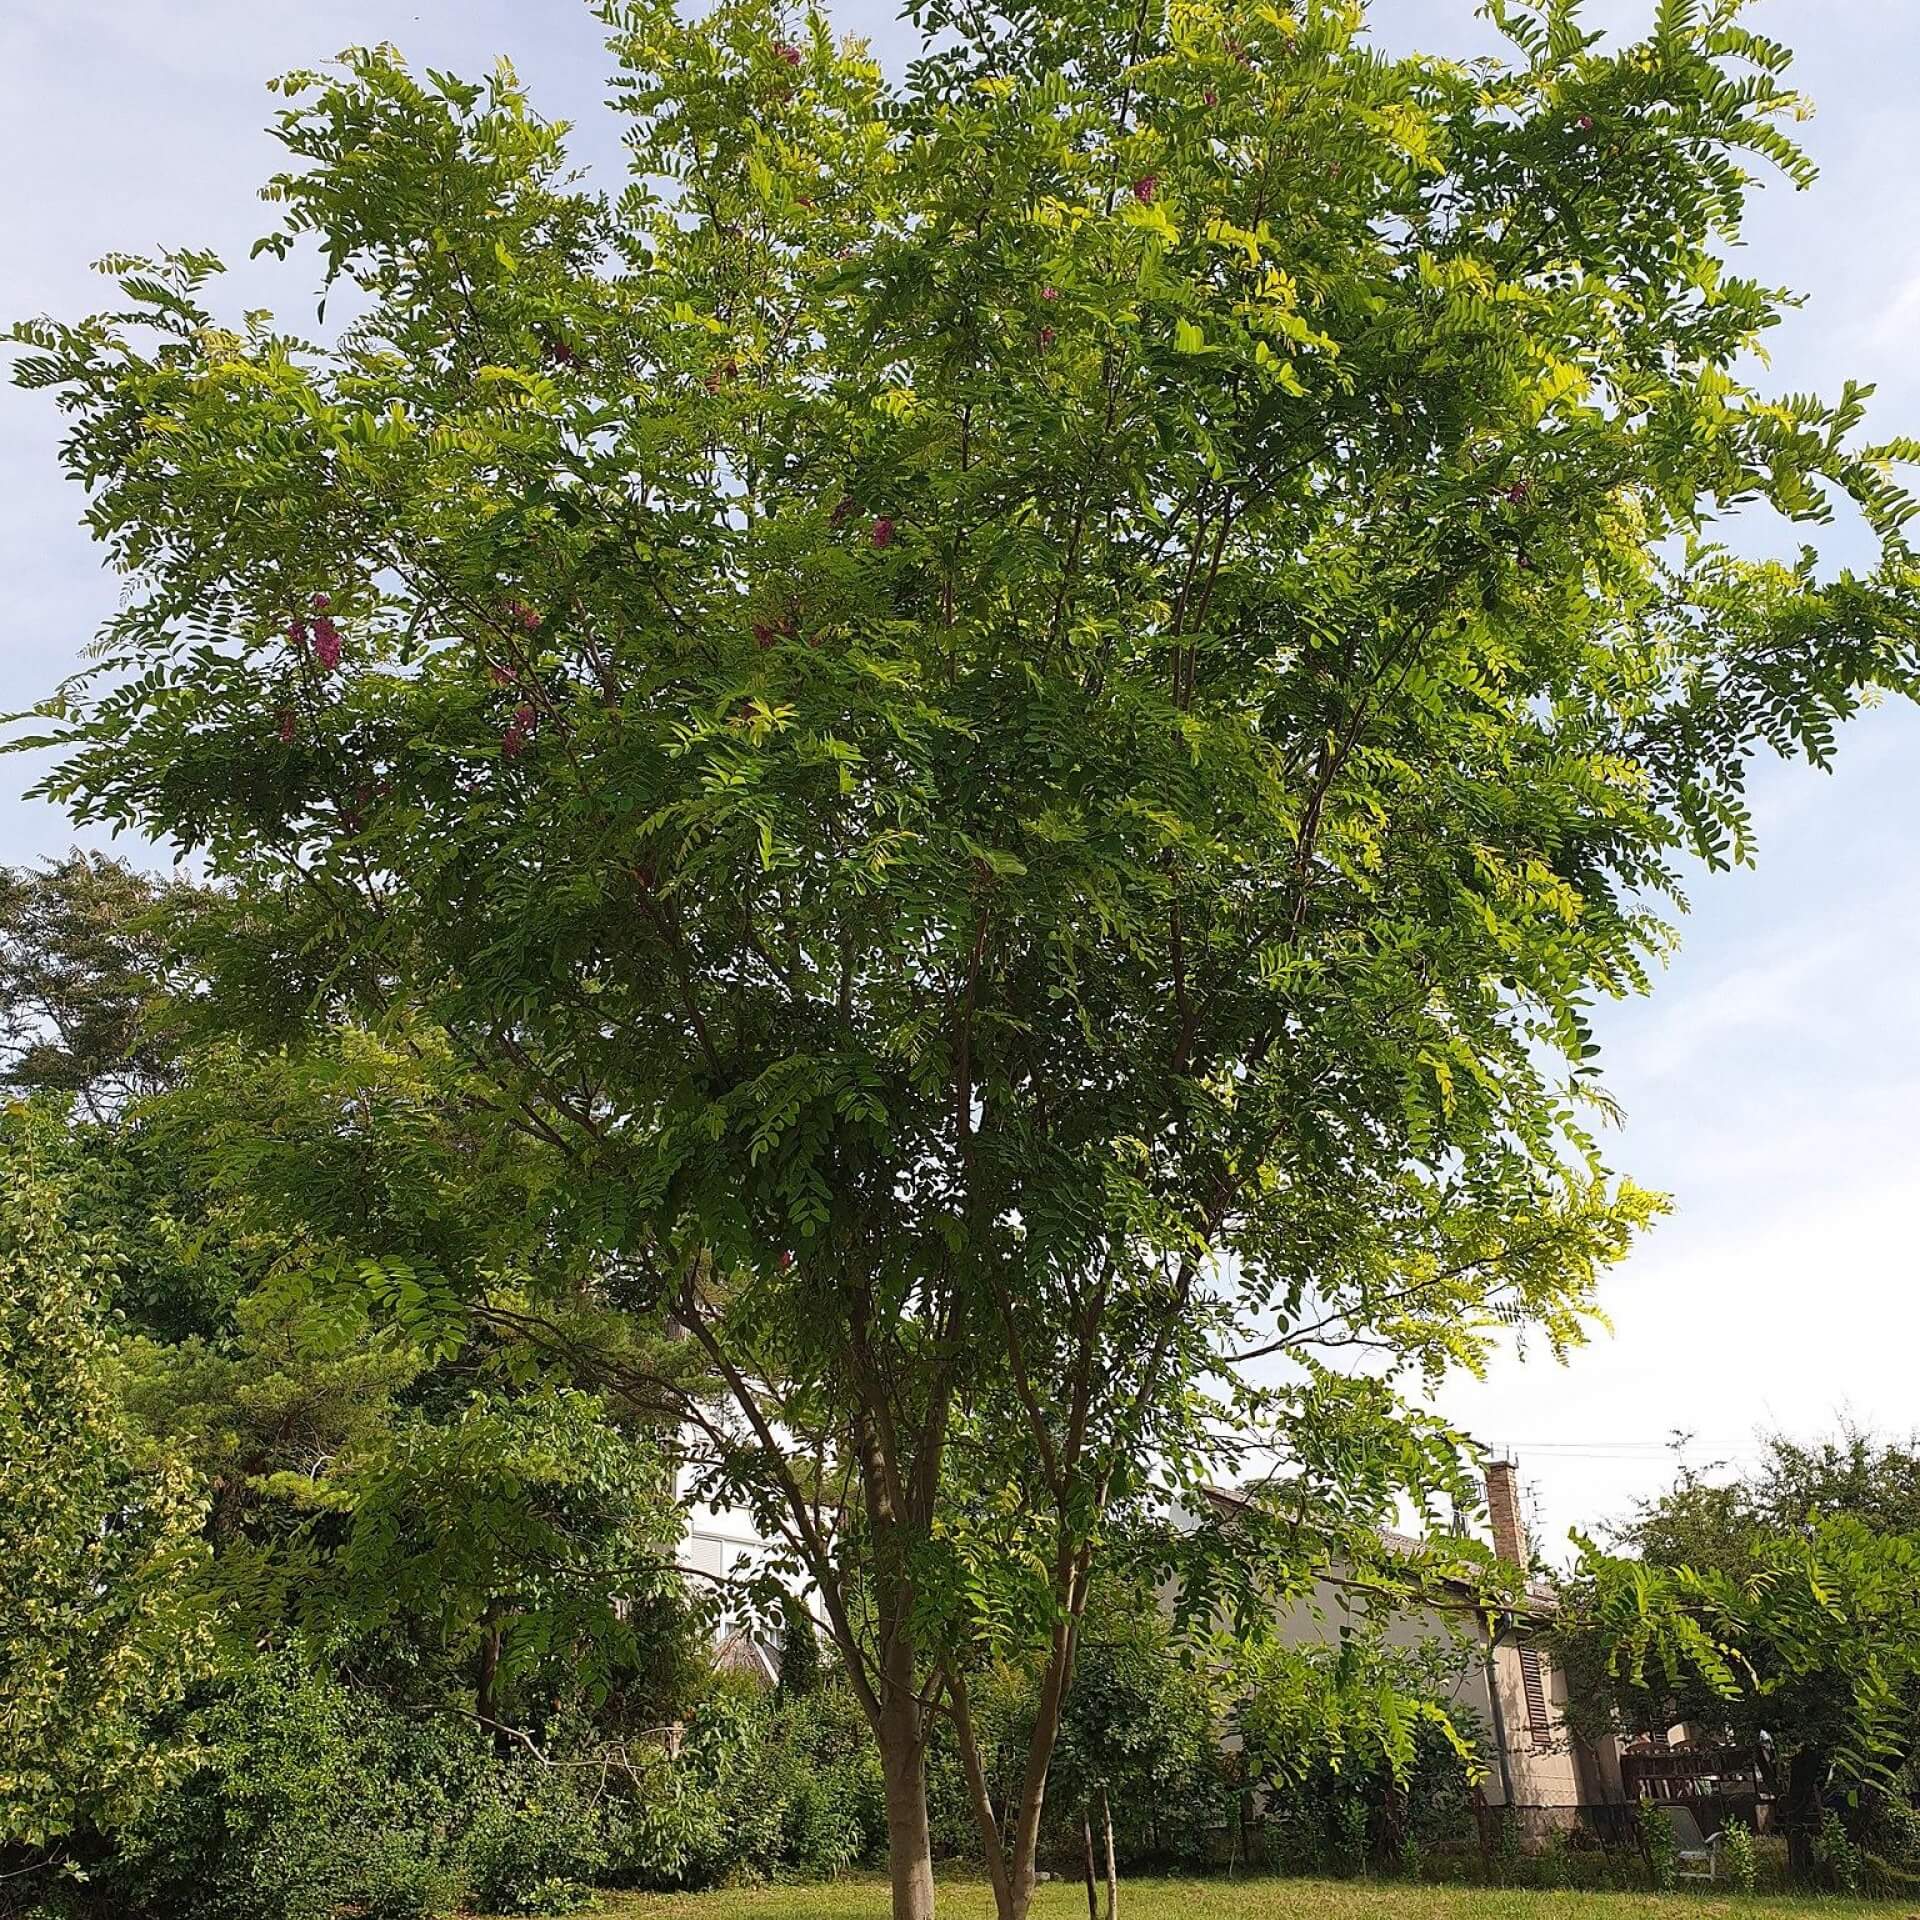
x=1697, y=1856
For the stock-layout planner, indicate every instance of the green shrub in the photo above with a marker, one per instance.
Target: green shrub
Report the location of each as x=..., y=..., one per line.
x=1743, y=1859
x=1892, y=1836
x=1662, y=1847
x=761, y=1789
x=1555, y=1864
x=1838, y=1854
x=1413, y=1852
x=554, y=1897
x=313, y=1798
x=1506, y=1847
x=1351, y=1820
x=305, y=1800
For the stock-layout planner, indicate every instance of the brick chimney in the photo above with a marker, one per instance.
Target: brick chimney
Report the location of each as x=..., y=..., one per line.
x=1503, y=1509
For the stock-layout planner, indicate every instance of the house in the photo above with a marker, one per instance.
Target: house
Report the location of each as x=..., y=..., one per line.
x=1506, y=1676
x=722, y=1544
x=1507, y=1679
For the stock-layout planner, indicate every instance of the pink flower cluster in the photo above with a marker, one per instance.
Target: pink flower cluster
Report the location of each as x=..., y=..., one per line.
x=317, y=633
x=513, y=743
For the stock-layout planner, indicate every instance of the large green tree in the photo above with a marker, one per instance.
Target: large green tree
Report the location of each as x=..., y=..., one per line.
x=1020, y=710
x=83, y=957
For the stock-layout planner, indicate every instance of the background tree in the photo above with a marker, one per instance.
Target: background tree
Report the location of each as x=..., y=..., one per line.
x=1815, y=1646
x=103, y=1627
x=1712, y=1518
x=274, y=1499
x=83, y=959
x=1017, y=714
x=1774, y=1605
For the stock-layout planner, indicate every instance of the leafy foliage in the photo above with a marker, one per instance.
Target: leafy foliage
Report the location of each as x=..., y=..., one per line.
x=1812, y=1650
x=1712, y=1518
x=101, y=1628
x=83, y=957
x=1006, y=723
x=313, y=1798
x=1143, y=1723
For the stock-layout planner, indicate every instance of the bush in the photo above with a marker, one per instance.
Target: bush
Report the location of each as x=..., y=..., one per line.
x=313, y=1797
x=1352, y=1820
x=760, y=1790
x=1743, y=1859
x=1141, y=1725
x=1890, y=1837
x=1663, y=1849
x=1838, y=1854
x=1342, y=1821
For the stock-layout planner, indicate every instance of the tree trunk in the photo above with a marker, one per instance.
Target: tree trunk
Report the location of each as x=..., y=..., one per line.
x=1023, y=1854
x=903, y=1765
x=1113, y=1871
x=1806, y=1776
x=1086, y=1834
x=486, y=1687
x=992, y=1842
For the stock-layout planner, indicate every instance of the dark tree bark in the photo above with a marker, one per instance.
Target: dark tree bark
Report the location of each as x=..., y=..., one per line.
x=1805, y=1802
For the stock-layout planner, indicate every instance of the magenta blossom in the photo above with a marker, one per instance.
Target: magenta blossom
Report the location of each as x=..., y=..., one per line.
x=1049, y=293
x=322, y=603
x=297, y=632
x=326, y=644
x=286, y=726
x=1146, y=186
x=882, y=534
x=790, y=54
x=1046, y=336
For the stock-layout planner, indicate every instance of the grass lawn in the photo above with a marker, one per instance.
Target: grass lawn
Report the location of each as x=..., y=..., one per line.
x=1242, y=1900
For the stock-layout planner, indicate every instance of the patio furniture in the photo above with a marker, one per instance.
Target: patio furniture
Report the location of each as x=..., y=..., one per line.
x=1698, y=1855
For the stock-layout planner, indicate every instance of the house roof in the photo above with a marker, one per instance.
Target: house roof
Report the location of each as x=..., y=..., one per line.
x=1234, y=1500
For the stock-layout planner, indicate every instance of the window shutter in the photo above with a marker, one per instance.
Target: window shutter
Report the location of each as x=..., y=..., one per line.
x=1534, y=1680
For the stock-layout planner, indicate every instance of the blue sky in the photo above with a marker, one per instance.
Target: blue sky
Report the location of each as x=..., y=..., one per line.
x=1771, y=1082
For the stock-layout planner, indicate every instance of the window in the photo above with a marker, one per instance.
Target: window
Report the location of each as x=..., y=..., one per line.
x=1533, y=1680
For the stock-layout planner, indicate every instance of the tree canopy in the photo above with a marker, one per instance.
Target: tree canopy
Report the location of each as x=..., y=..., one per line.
x=1778, y=1607
x=1011, y=717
